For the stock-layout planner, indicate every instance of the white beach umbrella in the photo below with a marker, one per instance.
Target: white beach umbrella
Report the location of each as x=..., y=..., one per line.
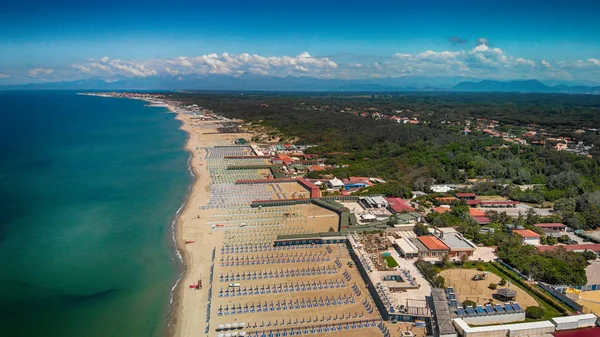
x=227, y=326
x=242, y=333
x=242, y=324
x=235, y=325
x=234, y=334
x=228, y=334
x=221, y=326
x=220, y=335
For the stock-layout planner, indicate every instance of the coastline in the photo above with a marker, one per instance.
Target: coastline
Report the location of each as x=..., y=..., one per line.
x=194, y=196
x=190, y=306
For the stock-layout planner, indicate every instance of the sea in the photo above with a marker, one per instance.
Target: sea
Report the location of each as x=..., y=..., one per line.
x=89, y=190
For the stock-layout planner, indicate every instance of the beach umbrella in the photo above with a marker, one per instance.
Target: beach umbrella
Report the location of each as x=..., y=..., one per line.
x=220, y=335
x=233, y=334
x=235, y=325
x=221, y=327
x=242, y=324
x=228, y=334
x=227, y=326
x=242, y=333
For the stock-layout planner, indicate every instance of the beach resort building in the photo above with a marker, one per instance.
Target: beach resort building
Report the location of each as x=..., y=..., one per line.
x=335, y=184
x=560, y=227
x=529, y=237
x=457, y=243
x=404, y=245
x=431, y=246
x=399, y=205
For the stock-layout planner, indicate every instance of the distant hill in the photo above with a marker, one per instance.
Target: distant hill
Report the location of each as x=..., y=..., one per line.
x=522, y=86
x=291, y=83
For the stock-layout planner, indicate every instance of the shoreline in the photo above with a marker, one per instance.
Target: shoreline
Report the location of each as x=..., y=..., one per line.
x=181, y=255
x=176, y=293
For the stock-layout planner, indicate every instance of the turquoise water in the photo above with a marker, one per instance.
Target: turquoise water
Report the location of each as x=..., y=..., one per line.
x=89, y=187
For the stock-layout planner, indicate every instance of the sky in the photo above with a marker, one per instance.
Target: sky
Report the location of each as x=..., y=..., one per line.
x=64, y=40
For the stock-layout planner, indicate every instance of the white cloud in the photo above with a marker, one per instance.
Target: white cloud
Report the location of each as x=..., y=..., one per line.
x=224, y=64
x=481, y=61
x=525, y=62
x=483, y=40
x=4, y=75
x=40, y=71
x=546, y=64
x=82, y=68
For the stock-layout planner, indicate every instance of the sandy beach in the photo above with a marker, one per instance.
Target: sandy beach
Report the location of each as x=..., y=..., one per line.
x=222, y=235
x=192, y=226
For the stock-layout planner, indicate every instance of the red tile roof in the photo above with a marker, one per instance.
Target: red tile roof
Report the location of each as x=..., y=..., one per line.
x=399, y=205
x=433, y=243
x=482, y=220
x=500, y=202
x=473, y=202
x=526, y=233
x=546, y=225
x=463, y=195
x=442, y=210
x=595, y=247
x=475, y=212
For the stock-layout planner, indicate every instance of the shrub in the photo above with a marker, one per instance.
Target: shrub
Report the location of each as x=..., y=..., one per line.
x=439, y=281
x=480, y=268
x=468, y=303
x=492, y=286
x=534, y=312
x=502, y=282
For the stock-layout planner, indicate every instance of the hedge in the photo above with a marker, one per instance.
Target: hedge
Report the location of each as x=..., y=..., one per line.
x=527, y=286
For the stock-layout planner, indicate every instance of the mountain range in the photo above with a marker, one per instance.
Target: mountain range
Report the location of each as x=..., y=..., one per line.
x=291, y=83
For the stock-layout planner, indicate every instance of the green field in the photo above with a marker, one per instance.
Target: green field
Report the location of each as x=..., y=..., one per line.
x=391, y=262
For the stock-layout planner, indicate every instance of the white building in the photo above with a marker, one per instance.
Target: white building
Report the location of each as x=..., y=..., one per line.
x=529, y=237
x=442, y=188
x=335, y=184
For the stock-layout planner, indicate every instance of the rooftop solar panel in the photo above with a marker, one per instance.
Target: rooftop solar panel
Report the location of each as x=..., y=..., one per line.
x=488, y=309
x=470, y=311
x=452, y=296
x=461, y=312
x=454, y=303
x=480, y=310
x=508, y=308
x=517, y=307
x=499, y=308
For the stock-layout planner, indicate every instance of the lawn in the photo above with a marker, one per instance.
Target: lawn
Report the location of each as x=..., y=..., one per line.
x=391, y=262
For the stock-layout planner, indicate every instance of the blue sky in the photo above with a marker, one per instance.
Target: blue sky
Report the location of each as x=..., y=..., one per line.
x=66, y=40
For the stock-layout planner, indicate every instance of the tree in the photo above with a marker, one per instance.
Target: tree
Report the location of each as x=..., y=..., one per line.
x=502, y=282
x=421, y=229
x=444, y=259
x=589, y=255
x=492, y=286
x=468, y=303
x=439, y=281
x=565, y=206
x=534, y=312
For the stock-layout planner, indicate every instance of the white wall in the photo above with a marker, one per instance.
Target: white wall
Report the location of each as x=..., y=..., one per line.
x=532, y=241
x=495, y=319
